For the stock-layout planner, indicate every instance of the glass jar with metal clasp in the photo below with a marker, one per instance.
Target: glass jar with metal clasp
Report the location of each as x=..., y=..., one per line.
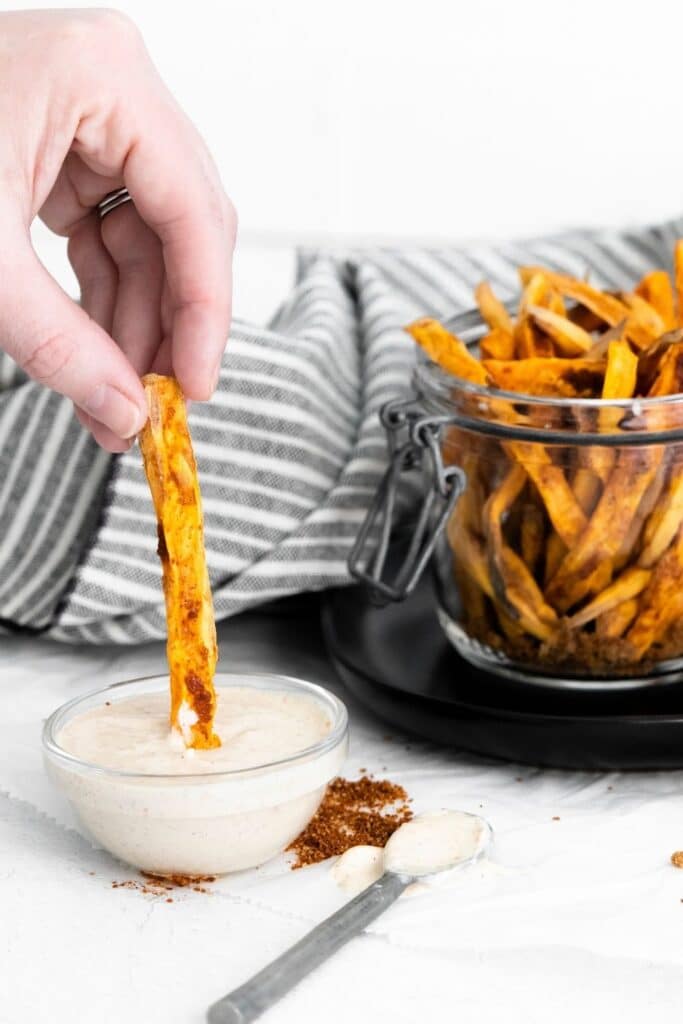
x=554, y=527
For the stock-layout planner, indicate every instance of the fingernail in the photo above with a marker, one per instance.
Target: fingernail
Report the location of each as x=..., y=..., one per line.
x=116, y=411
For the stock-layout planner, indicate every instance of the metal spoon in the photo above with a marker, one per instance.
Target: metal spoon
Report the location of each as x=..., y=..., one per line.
x=249, y=1001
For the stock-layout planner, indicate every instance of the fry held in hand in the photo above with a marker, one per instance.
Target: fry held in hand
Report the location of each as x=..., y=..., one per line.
x=172, y=475
x=572, y=553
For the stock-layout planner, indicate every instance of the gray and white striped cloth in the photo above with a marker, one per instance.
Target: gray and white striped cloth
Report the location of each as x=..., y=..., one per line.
x=289, y=450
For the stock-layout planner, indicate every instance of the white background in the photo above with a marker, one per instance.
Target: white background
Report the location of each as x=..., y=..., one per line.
x=429, y=119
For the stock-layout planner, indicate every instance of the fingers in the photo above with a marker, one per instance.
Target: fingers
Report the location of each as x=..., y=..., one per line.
x=96, y=272
x=120, y=271
x=58, y=344
x=98, y=280
x=104, y=437
x=179, y=195
x=136, y=252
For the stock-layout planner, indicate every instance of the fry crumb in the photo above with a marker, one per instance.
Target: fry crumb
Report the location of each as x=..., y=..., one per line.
x=677, y=859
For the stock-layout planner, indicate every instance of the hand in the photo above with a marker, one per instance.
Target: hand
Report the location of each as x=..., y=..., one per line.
x=83, y=112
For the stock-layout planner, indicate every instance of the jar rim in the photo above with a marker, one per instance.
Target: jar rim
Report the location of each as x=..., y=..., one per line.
x=640, y=425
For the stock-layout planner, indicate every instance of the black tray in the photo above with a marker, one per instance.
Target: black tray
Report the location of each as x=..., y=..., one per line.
x=397, y=661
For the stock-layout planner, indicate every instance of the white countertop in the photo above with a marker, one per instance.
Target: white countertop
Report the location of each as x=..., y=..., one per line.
x=581, y=915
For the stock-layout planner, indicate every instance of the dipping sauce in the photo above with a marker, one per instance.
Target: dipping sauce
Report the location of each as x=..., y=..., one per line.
x=139, y=793
x=434, y=842
x=256, y=727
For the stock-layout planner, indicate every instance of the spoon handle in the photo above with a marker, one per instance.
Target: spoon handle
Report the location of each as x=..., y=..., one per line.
x=250, y=1000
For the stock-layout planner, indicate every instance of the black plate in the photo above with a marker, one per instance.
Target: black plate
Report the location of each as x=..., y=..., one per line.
x=397, y=661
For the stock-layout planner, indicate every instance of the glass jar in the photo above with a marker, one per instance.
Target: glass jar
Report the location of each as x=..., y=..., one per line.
x=554, y=527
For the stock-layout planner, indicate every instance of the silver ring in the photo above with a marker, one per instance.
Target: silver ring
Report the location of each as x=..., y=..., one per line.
x=112, y=201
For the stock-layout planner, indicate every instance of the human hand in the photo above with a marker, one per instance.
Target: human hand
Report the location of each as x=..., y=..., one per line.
x=83, y=112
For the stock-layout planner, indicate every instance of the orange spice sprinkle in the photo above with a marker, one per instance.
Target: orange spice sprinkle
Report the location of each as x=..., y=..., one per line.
x=353, y=813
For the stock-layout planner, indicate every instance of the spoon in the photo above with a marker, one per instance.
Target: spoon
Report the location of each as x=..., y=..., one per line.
x=428, y=844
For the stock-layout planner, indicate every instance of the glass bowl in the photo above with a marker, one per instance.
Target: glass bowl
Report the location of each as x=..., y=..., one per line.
x=205, y=823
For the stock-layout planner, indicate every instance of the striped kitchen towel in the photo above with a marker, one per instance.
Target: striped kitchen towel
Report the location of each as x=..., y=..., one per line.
x=289, y=450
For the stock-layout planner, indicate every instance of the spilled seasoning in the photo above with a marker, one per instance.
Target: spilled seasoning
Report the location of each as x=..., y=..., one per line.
x=364, y=812
x=159, y=885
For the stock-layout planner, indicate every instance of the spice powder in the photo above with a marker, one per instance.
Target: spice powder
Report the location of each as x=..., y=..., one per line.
x=353, y=813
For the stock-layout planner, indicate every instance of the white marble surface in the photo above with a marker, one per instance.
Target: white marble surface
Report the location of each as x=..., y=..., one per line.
x=577, y=917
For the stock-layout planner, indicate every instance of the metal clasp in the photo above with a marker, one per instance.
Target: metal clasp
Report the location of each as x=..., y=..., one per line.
x=414, y=443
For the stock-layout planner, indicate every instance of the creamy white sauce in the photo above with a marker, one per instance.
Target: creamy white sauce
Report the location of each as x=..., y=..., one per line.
x=255, y=726
x=187, y=717
x=178, y=814
x=358, y=868
x=428, y=844
x=434, y=842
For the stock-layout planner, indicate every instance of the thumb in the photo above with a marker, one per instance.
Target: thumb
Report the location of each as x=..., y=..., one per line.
x=58, y=344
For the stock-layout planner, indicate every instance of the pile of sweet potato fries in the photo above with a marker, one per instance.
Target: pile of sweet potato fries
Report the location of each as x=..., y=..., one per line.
x=564, y=553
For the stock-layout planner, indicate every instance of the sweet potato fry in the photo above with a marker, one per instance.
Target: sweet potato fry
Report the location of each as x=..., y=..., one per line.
x=600, y=347
x=532, y=535
x=513, y=584
x=535, y=290
x=172, y=474
x=631, y=542
x=587, y=567
x=586, y=486
x=492, y=309
x=620, y=379
x=613, y=624
x=525, y=338
x=530, y=342
x=555, y=550
x=656, y=289
x=650, y=359
x=472, y=598
x=512, y=629
x=470, y=503
x=669, y=379
x=471, y=555
x=448, y=351
x=555, y=302
x=664, y=522
x=662, y=601
x=678, y=278
x=562, y=507
x=629, y=584
x=566, y=378
x=569, y=338
x=606, y=307
x=516, y=589
x=497, y=344
x=620, y=382
x=502, y=499
x=645, y=315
